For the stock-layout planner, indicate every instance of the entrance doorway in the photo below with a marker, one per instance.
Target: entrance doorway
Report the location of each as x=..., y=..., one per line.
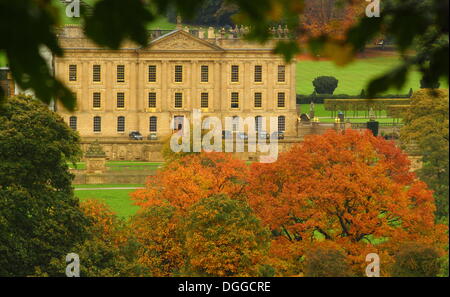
x=178, y=123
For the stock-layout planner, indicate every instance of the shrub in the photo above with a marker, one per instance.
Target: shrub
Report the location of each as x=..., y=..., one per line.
x=319, y=99
x=325, y=84
x=429, y=85
x=362, y=94
x=415, y=260
x=327, y=262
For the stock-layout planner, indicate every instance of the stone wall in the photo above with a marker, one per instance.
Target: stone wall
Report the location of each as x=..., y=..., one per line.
x=116, y=177
x=122, y=148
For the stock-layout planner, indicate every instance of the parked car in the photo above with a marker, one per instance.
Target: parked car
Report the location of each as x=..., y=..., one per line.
x=152, y=136
x=263, y=135
x=278, y=134
x=242, y=135
x=227, y=134
x=135, y=135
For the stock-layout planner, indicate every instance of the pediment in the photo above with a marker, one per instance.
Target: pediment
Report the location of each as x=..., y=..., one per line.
x=182, y=41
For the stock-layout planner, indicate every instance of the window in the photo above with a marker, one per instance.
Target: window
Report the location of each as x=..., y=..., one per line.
x=258, y=73
x=96, y=100
x=281, y=73
x=235, y=100
x=178, y=100
x=258, y=123
x=258, y=100
x=178, y=73
x=73, y=122
x=152, y=73
x=153, y=124
x=204, y=100
x=97, y=124
x=96, y=73
x=121, y=124
x=121, y=100
x=204, y=76
x=234, y=73
x=152, y=100
x=120, y=73
x=281, y=123
x=72, y=72
x=281, y=99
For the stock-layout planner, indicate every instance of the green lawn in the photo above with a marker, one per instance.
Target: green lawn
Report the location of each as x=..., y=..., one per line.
x=118, y=200
x=162, y=24
x=3, y=61
x=353, y=77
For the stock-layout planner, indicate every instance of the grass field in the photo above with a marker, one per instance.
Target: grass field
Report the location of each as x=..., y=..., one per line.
x=353, y=77
x=3, y=61
x=118, y=200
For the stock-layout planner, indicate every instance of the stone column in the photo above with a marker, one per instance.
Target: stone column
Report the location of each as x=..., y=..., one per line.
x=211, y=34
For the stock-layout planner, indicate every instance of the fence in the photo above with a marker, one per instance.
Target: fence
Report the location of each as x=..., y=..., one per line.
x=387, y=125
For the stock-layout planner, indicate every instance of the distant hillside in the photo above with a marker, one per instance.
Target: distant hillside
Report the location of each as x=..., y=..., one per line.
x=215, y=13
x=161, y=23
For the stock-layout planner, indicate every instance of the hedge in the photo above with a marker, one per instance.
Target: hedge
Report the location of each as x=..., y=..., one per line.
x=355, y=105
x=319, y=98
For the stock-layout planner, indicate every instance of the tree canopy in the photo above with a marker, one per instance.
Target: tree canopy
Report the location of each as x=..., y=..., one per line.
x=352, y=189
x=426, y=127
x=40, y=218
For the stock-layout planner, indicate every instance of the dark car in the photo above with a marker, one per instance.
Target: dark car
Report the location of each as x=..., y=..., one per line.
x=227, y=134
x=135, y=135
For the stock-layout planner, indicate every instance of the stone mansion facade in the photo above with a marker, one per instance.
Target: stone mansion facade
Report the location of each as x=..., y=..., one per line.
x=152, y=89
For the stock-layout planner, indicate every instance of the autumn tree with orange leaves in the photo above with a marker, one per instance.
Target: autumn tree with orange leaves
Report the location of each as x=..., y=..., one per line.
x=330, y=17
x=174, y=241
x=187, y=180
x=349, y=188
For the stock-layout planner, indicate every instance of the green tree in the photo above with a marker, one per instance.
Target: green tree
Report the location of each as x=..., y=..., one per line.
x=40, y=218
x=110, y=249
x=426, y=126
x=325, y=84
x=224, y=238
